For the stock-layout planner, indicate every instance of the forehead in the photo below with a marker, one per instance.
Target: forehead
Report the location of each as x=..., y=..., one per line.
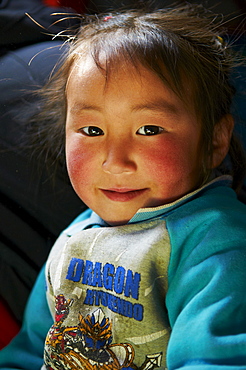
x=86, y=69
x=87, y=79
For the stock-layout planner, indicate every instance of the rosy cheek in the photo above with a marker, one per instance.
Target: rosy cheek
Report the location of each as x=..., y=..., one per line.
x=163, y=157
x=78, y=164
x=167, y=164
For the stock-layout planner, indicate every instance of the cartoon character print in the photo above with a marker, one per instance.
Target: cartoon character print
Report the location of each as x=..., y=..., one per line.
x=57, y=331
x=88, y=345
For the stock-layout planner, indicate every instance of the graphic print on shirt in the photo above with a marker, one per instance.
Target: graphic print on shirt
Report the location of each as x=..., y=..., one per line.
x=109, y=281
x=100, y=283
x=88, y=345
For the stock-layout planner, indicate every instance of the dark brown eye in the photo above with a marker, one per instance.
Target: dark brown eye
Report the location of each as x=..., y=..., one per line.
x=92, y=131
x=149, y=130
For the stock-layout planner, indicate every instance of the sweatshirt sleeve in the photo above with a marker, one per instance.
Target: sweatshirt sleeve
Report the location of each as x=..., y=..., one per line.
x=26, y=350
x=206, y=299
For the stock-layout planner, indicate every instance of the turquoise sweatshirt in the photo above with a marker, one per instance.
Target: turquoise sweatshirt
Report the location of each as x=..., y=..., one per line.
x=167, y=291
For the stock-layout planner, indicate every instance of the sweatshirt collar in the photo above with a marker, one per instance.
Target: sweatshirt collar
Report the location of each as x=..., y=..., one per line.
x=90, y=219
x=144, y=214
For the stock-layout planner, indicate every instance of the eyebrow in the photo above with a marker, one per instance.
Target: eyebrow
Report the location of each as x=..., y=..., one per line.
x=159, y=105
x=83, y=106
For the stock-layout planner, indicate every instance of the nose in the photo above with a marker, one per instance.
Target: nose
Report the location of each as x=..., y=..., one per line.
x=119, y=158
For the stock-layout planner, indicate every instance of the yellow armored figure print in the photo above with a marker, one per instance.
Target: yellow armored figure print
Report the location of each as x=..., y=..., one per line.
x=88, y=345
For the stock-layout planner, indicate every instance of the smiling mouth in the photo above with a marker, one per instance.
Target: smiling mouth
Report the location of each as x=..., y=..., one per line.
x=122, y=194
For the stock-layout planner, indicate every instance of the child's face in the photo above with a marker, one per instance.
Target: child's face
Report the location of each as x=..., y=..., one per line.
x=130, y=143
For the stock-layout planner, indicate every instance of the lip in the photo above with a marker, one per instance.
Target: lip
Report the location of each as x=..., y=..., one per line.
x=122, y=194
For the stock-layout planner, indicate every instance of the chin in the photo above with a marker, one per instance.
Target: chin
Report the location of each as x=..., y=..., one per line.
x=117, y=222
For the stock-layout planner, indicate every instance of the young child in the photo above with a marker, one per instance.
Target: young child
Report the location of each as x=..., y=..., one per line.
x=153, y=274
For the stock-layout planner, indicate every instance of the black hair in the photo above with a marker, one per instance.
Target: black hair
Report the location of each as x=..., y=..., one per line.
x=178, y=44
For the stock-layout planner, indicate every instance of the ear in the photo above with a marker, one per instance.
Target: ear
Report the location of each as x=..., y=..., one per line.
x=221, y=139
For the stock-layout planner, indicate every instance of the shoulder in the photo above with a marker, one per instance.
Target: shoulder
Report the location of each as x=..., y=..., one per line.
x=212, y=223
x=79, y=223
x=213, y=207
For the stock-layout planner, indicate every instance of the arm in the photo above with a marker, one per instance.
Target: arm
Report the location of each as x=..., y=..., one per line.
x=206, y=300
x=26, y=349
